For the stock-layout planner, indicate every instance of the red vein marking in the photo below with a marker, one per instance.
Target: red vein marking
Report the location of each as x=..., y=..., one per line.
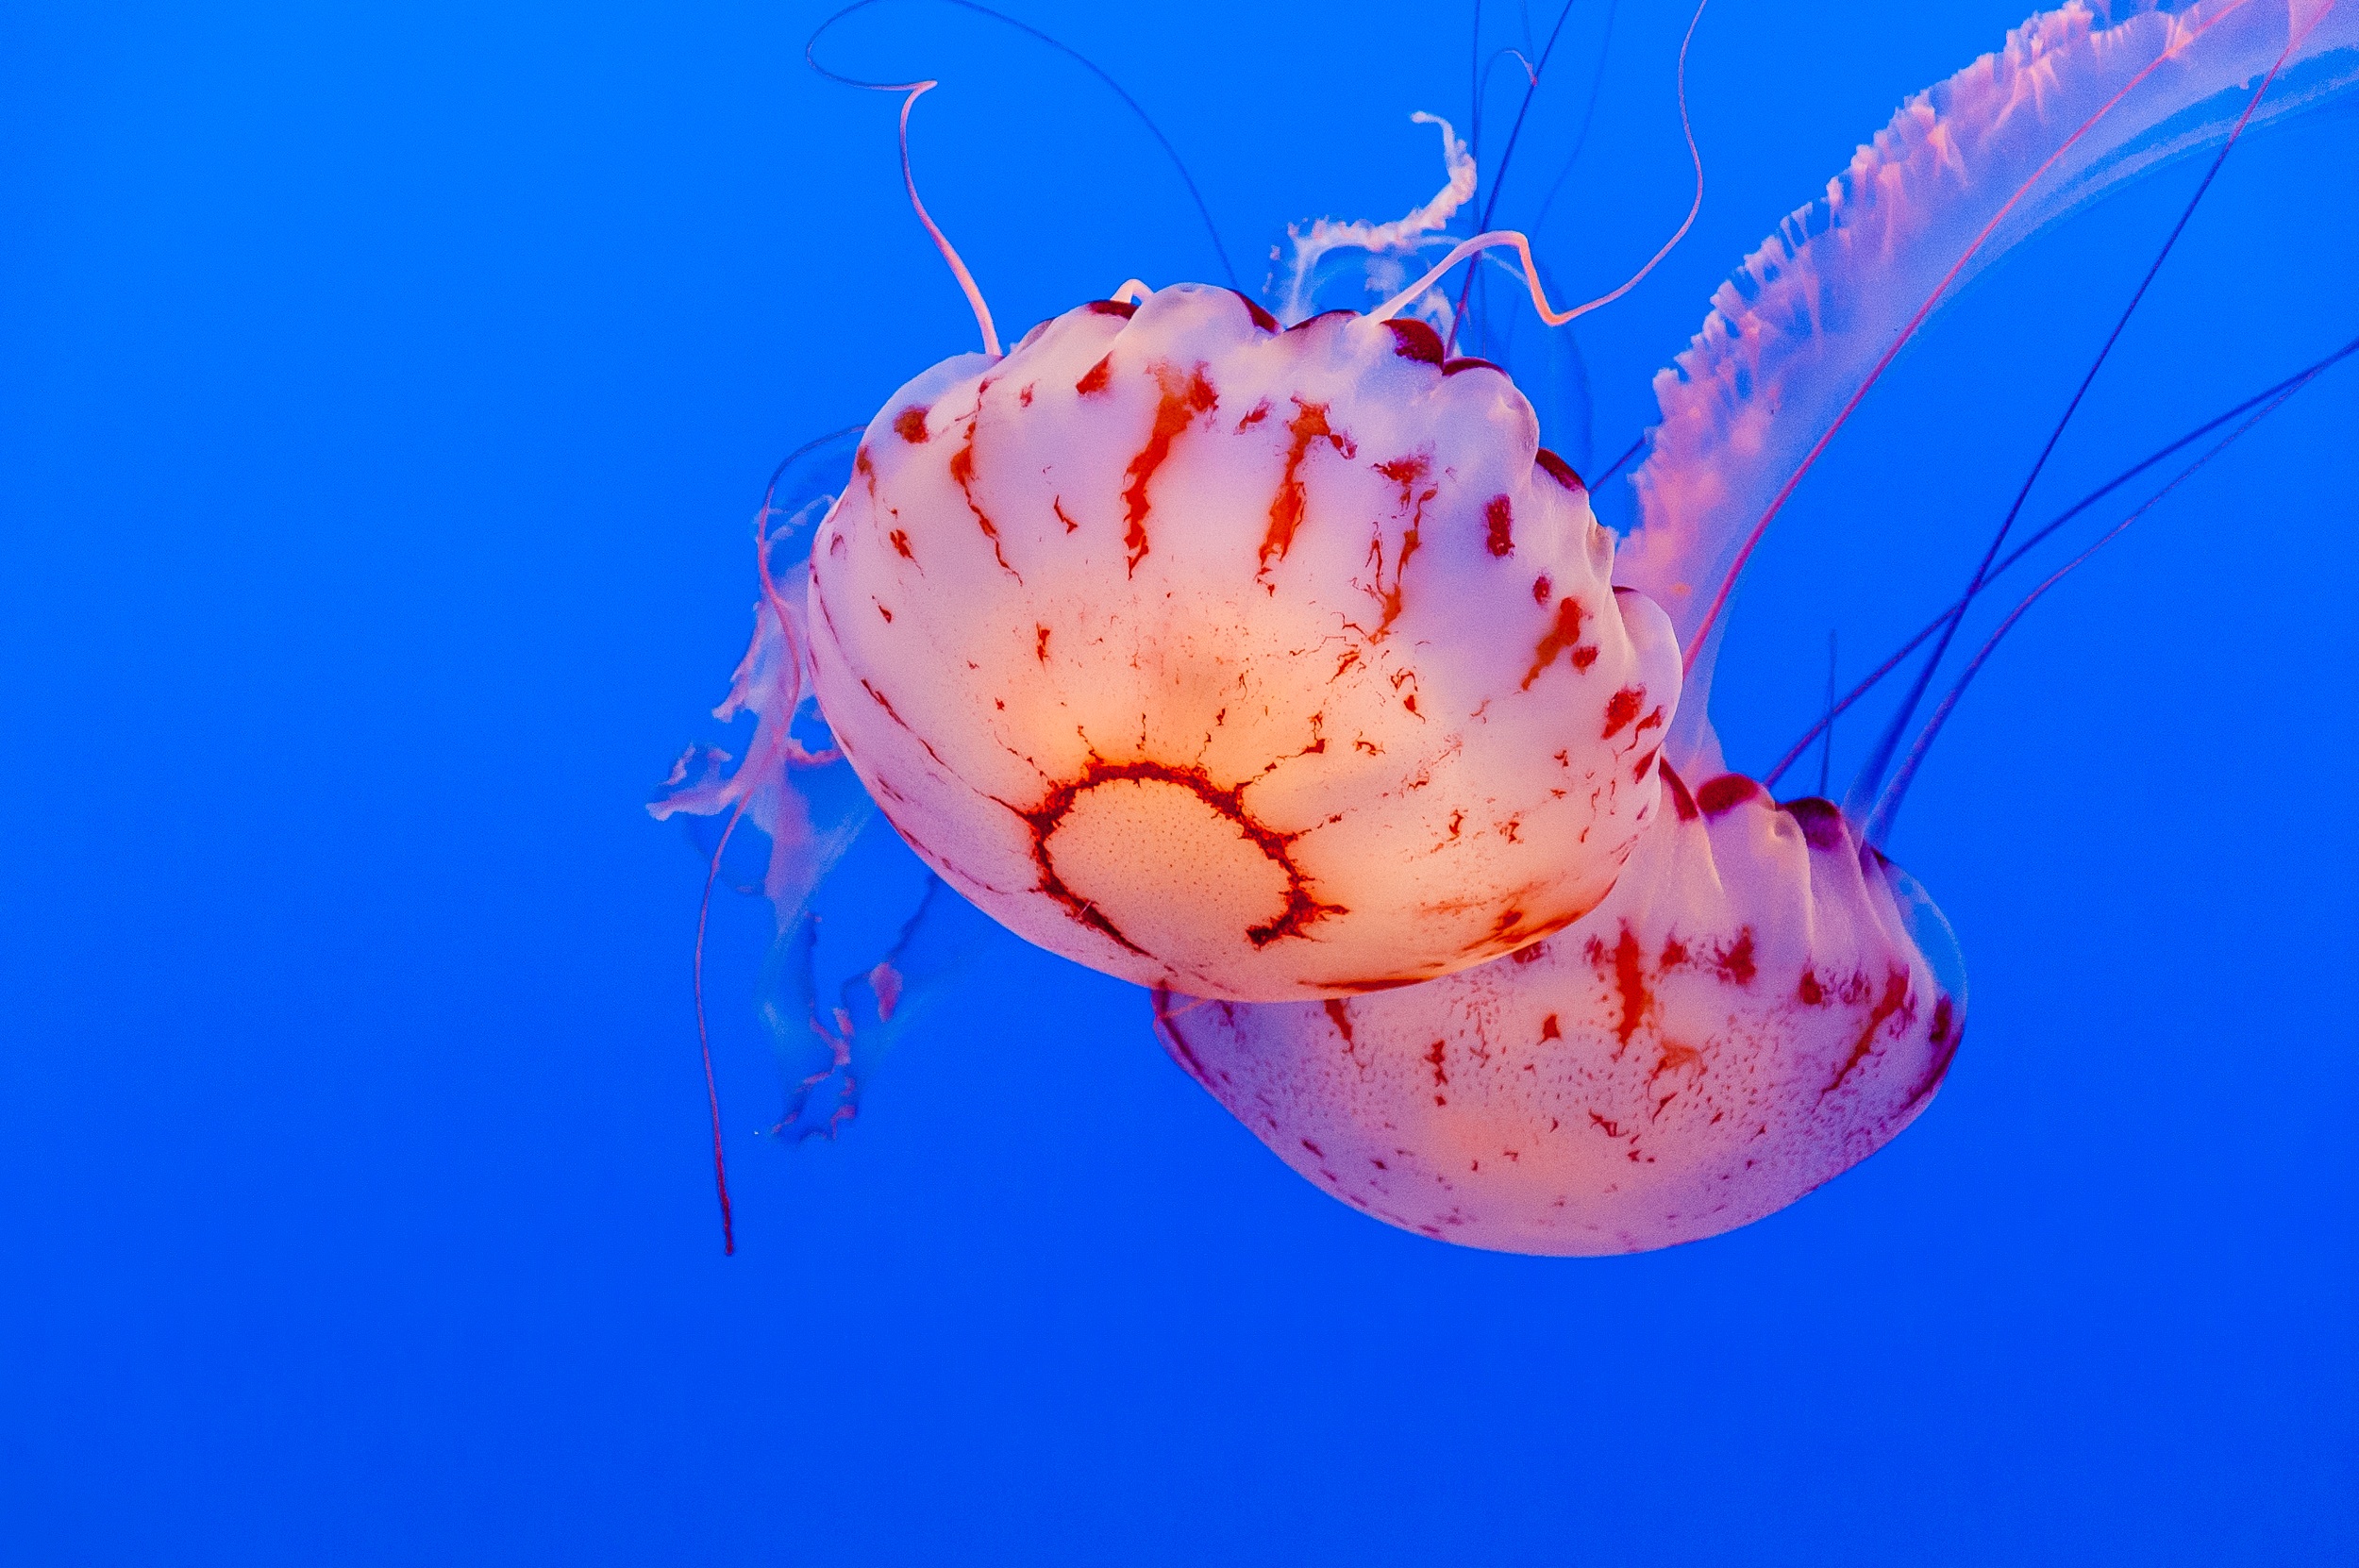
x=1562, y=635
x=962, y=469
x=1308, y=427
x=1182, y=397
x=1896, y=993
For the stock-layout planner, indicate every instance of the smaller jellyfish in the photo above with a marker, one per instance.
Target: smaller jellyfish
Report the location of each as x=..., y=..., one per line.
x=1760, y=1003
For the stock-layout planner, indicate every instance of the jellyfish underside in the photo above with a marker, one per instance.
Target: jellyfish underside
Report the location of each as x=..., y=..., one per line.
x=1732, y=1001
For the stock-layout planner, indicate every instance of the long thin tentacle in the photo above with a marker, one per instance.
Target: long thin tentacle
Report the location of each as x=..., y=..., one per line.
x=1880, y=817
x=1871, y=773
x=2291, y=384
x=1179, y=164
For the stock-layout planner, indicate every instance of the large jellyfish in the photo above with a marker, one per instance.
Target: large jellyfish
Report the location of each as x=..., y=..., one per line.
x=1151, y=635
x=1270, y=662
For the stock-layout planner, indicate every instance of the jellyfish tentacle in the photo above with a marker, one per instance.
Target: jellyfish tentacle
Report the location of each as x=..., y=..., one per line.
x=2291, y=384
x=941, y=242
x=1418, y=228
x=1588, y=117
x=704, y=1036
x=1515, y=133
x=1880, y=816
x=2067, y=111
x=1866, y=788
x=1179, y=164
x=1621, y=462
x=807, y=835
x=1493, y=238
x=1498, y=175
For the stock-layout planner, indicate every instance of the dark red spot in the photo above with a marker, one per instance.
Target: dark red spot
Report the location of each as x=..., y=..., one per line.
x=1057, y=506
x=1945, y=1015
x=1262, y=318
x=1821, y=821
x=901, y=544
x=1736, y=961
x=1622, y=708
x=1122, y=307
x=910, y=424
x=1024, y=395
x=1440, y=1075
x=1339, y=1015
x=1548, y=1029
x=1095, y=378
x=1452, y=367
x=1811, y=993
x=1630, y=980
x=1946, y=1038
x=1040, y=646
x=1253, y=416
x=1562, y=635
x=1306, y=429
x=1725, y=793
x=1561, y=471
x=1540, y=590
x=1408, y=472
x=1582, y=657
x=1181, y=398
x=1314, y=1148
x=1501, y=516
x=1414, y=339
x=886, y=613
x=1674, y=1057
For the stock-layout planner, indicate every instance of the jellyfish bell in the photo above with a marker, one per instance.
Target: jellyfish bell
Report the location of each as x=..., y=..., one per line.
x=1259, y=663
x=1762, y=1002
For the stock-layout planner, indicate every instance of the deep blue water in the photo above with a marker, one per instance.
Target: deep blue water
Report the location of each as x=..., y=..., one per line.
x=384, y=392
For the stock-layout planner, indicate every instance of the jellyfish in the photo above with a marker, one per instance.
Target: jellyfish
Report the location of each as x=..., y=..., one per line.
x=1764, y=999
x=1269, y=661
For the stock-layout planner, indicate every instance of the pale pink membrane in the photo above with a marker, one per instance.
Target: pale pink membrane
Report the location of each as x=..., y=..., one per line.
x=1262, y=664
x=791, y=803
x=1759, y=1005
x=2070, y=107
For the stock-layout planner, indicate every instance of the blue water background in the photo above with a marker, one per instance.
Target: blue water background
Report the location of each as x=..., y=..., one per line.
x=384, y=395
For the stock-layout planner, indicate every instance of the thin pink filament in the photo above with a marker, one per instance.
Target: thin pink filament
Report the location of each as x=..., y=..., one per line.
x=942, y=243
x=1393, y=306
x=771, y=745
